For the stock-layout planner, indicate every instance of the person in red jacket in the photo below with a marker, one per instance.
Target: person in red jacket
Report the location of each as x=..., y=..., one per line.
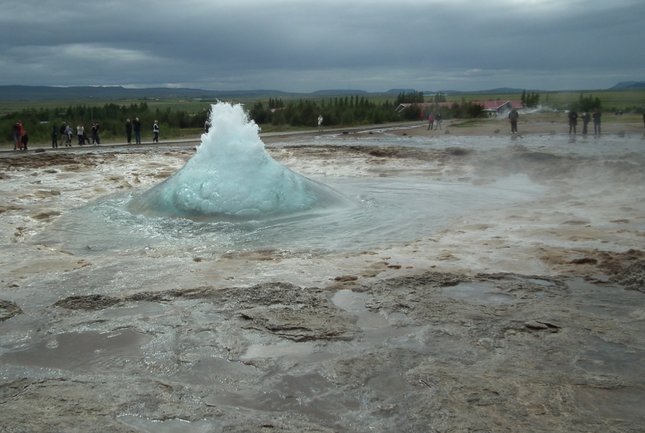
x=18, y=132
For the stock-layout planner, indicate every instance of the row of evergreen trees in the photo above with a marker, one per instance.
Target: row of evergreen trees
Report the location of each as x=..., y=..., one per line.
x=357, y=110
x=587, y=104
x=530, y=99
x=350, y=110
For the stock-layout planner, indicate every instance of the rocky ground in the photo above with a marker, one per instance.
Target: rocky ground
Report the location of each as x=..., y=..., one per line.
x=504, y=321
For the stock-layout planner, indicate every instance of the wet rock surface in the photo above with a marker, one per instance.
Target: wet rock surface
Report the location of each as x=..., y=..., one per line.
x=430, y=352
x=529, y=318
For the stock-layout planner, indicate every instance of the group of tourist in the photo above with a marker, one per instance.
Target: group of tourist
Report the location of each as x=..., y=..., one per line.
x=65, y=133
x=586, y=118
x=513, y=116
x=134, y=126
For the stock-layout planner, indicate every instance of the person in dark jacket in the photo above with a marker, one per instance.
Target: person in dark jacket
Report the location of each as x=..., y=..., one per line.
x=596, y=122
x=54, y=136
x=128, y=130
x=136, y=125
x=586, y=118
x=512, y=117
x=573, y=121
x=96, y=137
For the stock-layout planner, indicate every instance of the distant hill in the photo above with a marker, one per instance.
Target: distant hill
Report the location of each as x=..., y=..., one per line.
x=497, y=91
x=399, y=91
x=629, y=85
x=339, y=92
x=43, y=93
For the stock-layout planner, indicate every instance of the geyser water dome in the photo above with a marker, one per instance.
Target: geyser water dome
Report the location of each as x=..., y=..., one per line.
x=232, y=176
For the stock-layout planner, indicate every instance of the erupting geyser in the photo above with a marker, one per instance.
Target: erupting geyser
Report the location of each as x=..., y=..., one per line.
x=232, y=176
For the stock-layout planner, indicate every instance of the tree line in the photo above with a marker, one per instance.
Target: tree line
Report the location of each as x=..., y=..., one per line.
x=357, y=110
x=336, y=111
x=530, y=99
x=348, y=110
x=587, y=104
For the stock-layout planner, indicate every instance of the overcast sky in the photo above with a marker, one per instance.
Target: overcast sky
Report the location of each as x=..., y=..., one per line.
x=302, y=45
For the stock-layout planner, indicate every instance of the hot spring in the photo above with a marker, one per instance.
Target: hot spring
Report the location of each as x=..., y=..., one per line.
x=232, y=195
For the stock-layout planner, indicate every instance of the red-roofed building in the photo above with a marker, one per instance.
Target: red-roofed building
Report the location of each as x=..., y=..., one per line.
x=497, y=107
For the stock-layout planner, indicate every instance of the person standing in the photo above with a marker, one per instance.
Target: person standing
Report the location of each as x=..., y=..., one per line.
x=68, y=135
x=62, y=132
x=513, y=116
x=430, y=122
x=573, y=121
x=128, y=130
x=18, y=130
x=586, y=118
x=155, y=132
x=96, y=138
x=80, y=134
x=437, y=121
x=320, y=122
x=596, y=122
x=136, y=125
x=24, y=139
x=54, y=136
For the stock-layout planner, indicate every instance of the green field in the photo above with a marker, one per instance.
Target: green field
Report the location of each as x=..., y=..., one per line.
x=612, y=100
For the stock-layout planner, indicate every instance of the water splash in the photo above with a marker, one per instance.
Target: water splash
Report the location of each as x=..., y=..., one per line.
x=232, y=176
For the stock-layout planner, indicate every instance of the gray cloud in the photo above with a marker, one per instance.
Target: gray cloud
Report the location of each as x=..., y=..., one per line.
x=305, y=45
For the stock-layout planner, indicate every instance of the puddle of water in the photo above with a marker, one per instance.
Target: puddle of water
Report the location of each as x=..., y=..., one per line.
x=477, y=292
x=145, y=425
x=218, y=371
x=82, y=351
x=138, y=309
x=278, y=350
x=351, y=301
x=610, y=358
x=370, y=218
x=355, y=303
x=310, y=394
x=388, y=384
x=623, y=403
